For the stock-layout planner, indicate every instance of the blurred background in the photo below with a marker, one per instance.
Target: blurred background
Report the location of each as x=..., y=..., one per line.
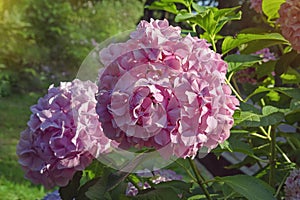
x=43, y=42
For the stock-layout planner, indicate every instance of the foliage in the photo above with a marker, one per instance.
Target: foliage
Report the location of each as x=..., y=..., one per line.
x=45, y=41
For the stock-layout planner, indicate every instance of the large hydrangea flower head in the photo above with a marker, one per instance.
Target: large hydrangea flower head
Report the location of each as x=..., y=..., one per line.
x=164, y=91
x=289, y=21
x=63, y=134
x=292, y=185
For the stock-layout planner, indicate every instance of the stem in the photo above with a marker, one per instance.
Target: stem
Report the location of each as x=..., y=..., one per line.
x=236, y=85
x=291, y=144
x=259, y=136
x=194, y=28
x=200, y=179
x=280, y=186
x=283, y=154
x=212, y=38
x=129, y=178
x=187, y=171
x=265, y=132
x=272, y=157
x=234, y=91
x=230, y=76
x=193, y=25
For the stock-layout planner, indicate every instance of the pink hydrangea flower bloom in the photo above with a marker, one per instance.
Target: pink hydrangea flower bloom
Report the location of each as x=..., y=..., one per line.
x=164, y=91
x=290, y=22
x=256, y=5
x=63, y=134
x=292, y=185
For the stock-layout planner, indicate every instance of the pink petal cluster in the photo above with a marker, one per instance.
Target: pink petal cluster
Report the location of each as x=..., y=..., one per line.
x=292, y=185
x=256, y=5
x=290, y=22
x=164, y=91
x=63, y=134
x=159, y=176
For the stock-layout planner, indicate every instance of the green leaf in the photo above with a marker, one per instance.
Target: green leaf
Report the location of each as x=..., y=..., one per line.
x=250, y=118
x=271, y=119
x=271, y=7
x=247, y=119
x=157, y=194
x=267, y=110
x=254, y=46
x=201, y=10
x=249, y=107
x=169, y=7
x=284, y=62
x=223, y=16
x=226, y=146
x=239, y=146
x=176, y=185
x=266, y=69
x=206, y=20
x=240, y=61
x=207, y=37
x=258, y=90
x=115, y=179
x=202, y=196
x=273, y=96
x=295, y=104
x=293, y=116
x=184, y=2
x=84, y=188
x=290, y=76
x=98, y=191
x=290, y=92
x=212, y=19
x=249, y=187
x=230, y=43
x=183, y=15
x=70, y=191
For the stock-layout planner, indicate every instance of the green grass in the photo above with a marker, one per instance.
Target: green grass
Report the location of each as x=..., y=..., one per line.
x=14, y=114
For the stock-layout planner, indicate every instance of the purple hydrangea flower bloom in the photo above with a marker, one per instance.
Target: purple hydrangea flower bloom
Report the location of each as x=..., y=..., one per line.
x=63, y=134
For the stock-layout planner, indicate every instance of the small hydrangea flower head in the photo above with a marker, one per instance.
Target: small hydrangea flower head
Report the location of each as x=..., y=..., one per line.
x=164, y=91
x=289, y=21
x=256, y=5
x=63, y=134
x=292, y=185
x=265, y=54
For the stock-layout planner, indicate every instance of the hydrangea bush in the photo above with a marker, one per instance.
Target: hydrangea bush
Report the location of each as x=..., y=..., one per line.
x=182, y=94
